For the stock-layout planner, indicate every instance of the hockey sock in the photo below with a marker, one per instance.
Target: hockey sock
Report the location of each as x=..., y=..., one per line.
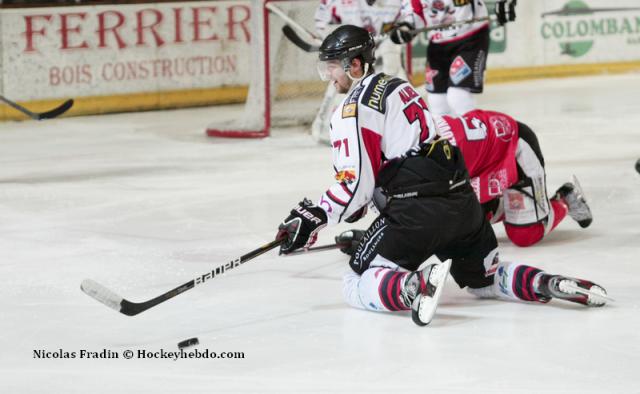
x=377, y=289
x=460, y=101
x=516, y=282
x=560, y=211
x=438, y=104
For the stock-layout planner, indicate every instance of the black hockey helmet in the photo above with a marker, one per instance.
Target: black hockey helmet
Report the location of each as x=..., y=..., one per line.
x=346, y=43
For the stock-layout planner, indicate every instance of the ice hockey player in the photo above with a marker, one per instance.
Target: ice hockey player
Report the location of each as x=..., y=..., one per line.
x=507, y=173
x=383, y=134
x=456, y=57
x=377, y=17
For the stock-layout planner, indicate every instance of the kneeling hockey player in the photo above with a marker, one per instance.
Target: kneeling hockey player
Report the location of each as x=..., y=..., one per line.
x=382, y=134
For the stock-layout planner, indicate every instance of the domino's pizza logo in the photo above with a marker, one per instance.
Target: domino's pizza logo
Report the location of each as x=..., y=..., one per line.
x=459, y=70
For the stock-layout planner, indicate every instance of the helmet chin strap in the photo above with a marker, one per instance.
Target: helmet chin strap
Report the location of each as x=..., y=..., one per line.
x=355, y=80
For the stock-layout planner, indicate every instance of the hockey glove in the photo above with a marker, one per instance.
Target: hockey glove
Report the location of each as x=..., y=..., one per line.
x=349, y=240
x=300, y=228
x=401, y=33
x=505, y=11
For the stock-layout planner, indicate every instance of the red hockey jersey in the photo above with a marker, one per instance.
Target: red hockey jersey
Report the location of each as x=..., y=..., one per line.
x=488, y=141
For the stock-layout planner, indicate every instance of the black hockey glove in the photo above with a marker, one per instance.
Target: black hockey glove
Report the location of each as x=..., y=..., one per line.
x=349, y=240
x=401, y=33
x=300, y=228
x=505, y=11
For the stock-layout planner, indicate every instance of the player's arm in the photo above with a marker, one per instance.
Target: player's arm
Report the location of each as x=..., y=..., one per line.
x=345, y=199
x=348, y=197
x=411, y=17
x=412, y=12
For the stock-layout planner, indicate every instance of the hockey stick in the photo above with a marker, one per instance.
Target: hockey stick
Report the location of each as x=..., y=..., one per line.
x=316, y=249
x=291, y=22
x=114, y=301
x=378, y=39
x=298, y=41
x=292, y=35
x=54, y=113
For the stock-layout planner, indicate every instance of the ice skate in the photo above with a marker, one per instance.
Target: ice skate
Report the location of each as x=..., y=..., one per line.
x=422, y=289
x=571, y=289
x=571, y=193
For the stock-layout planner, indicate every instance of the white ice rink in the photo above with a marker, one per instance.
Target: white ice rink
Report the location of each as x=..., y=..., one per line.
x=145, y=202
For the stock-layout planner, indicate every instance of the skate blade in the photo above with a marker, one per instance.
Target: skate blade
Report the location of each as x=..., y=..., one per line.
x=594, y=298
x=425, y=305
x=578, y=188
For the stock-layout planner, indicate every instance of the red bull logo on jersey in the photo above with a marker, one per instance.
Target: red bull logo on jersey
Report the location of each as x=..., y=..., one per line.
x=346, y=176
x=459, y=70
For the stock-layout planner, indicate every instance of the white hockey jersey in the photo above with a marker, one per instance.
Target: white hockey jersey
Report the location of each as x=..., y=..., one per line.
x=381, y=118
x=374, y=18
x=424, y=13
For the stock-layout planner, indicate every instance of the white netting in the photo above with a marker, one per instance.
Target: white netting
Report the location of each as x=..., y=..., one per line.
x=294, y=86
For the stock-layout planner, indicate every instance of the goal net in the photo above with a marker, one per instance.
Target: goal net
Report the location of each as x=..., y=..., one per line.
x=284, y=88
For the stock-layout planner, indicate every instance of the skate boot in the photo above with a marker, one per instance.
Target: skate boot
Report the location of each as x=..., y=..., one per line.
x=421, y=291
x=575, y=290
x=571, y=193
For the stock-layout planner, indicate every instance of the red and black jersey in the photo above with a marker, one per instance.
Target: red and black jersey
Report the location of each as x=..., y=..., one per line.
x=488, y=141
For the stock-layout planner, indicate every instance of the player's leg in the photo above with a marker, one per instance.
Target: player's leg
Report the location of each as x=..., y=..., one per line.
x=320, y=128
x=385, y=275
x=569, y=197
x=460, y=100
x=437, y=77
x=466, y=71
x=519, y=282
x=529, y=214
x=391, y=55
x=485, y=275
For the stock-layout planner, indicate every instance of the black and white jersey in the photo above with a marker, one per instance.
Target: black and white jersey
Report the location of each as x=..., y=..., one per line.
x=381, y=118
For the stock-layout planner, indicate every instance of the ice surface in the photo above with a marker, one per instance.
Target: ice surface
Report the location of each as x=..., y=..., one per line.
x=144, y=202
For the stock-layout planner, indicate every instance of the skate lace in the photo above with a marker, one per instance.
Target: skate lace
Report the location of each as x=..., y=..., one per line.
x=410, y=288
x=565, y=286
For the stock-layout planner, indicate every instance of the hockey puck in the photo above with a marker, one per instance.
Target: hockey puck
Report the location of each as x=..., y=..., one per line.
x=638, y=166
x=188, y=342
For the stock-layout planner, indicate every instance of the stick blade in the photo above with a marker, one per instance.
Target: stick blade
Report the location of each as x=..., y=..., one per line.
x=101, y=294
x=54, y=113
x=297, y=41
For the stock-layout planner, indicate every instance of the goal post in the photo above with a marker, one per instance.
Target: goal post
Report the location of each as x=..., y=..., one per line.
x=284, y=89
